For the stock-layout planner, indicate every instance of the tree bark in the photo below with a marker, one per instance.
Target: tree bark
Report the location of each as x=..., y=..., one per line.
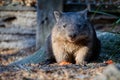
x=45, y=19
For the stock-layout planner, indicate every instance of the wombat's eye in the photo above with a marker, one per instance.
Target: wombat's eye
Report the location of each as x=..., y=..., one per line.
x=64, y=25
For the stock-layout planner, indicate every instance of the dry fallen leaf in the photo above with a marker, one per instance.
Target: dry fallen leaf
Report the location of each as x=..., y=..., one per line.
x=109, y=62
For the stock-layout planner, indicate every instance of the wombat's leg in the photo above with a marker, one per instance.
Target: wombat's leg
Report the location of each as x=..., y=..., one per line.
x=60, y=54
x=81, y=54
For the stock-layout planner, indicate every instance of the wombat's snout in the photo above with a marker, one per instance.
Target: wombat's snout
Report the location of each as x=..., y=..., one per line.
x=72, y=35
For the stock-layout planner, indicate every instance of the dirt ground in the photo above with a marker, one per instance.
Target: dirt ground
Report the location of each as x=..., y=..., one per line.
x=44, y=72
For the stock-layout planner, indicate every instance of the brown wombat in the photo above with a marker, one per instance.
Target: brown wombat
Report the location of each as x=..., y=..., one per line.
x=73, y=38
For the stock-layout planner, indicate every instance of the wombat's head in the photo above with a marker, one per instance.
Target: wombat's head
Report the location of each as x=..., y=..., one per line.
x=72, y=26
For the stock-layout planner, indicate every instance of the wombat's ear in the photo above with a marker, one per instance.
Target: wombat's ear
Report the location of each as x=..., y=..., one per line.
x=84, y=14
x=57, y=15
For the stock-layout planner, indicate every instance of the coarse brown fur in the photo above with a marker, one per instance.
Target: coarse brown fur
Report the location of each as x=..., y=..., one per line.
x=73, y=38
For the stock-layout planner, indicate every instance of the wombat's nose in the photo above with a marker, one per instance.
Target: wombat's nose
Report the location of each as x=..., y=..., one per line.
x=72, y=35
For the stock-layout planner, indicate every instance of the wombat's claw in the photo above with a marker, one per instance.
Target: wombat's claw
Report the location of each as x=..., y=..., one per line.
x=64, y=63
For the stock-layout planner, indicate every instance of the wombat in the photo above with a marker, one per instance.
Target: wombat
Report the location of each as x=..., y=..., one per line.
x=73, y=38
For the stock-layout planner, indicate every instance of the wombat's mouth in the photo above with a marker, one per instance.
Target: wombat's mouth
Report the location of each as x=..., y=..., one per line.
x=72, y=40
x=77, y=39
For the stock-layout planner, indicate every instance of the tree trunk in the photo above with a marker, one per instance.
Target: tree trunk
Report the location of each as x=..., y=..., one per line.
x=45, y=19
